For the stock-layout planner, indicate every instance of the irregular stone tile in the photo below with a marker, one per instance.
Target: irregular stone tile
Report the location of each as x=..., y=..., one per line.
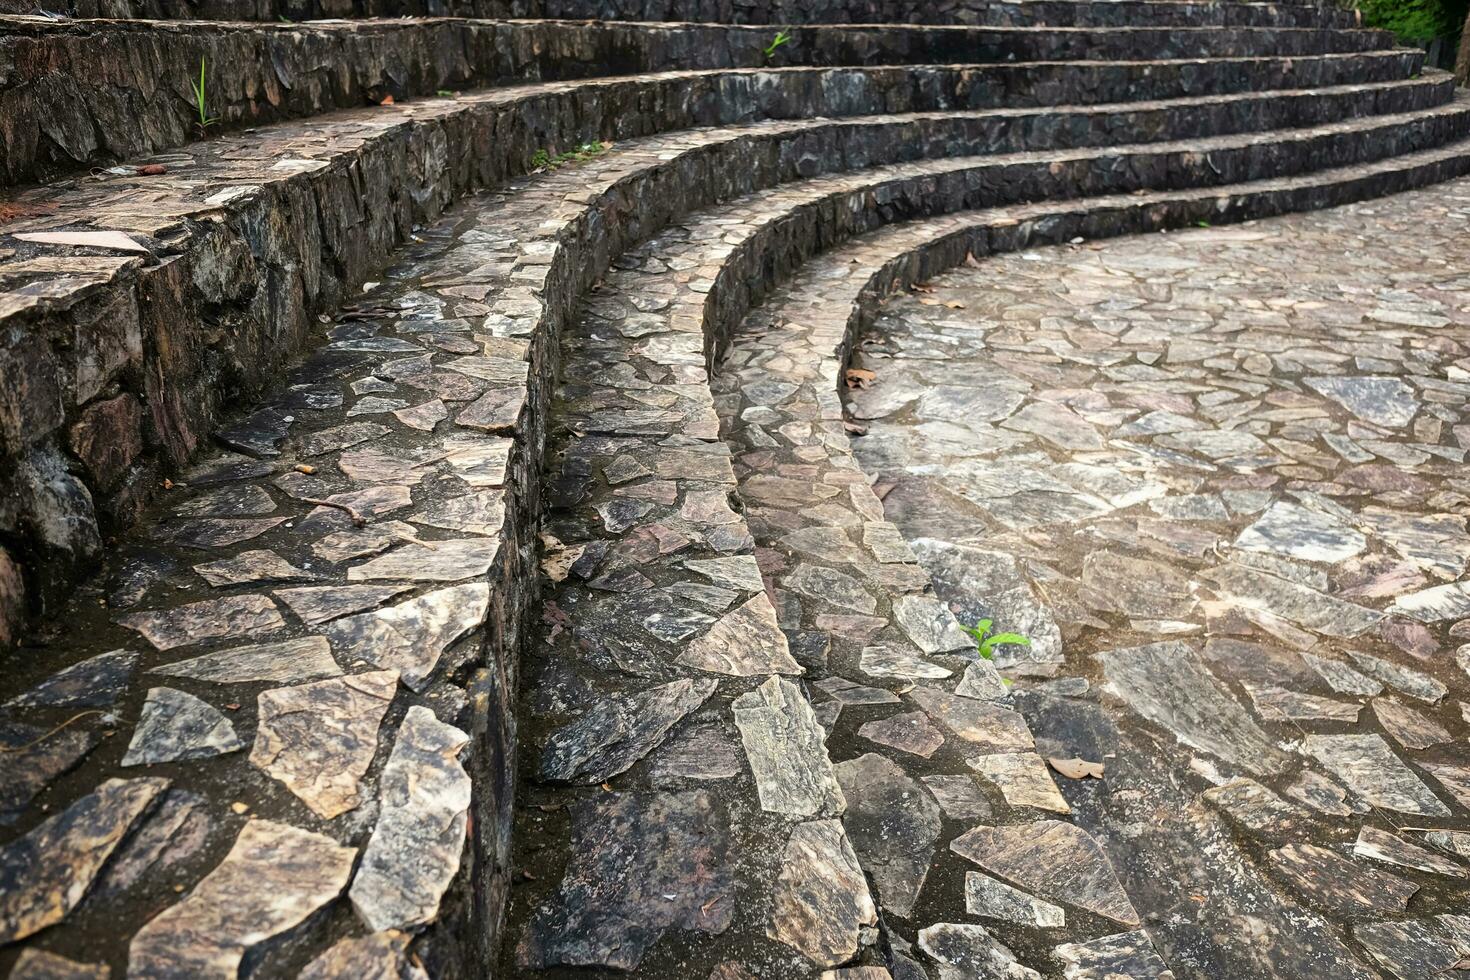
x=1306, y=607
x=984, y=896
x=1122, y=956
x=1300, y=532
x=831, y=586
x=479, y=461
x=424, y=416
x=1408, y=727
x=1279, y=704
x=424, y=801
x=249, y=567
x=286, y=662
x=635, y=850
x=984, y=724
x=30, y=757
x=708, y=751
x=474, y=513
x=379, y=956
x=1022, y=778
x=930, y=624
x=47, y=872
x=241, y=501
x=175, y=726
x=319, y=738
x=273, y=878
x=1051, y=859
x=37, y=964
x=1252, y=806
x=1056, y=424
x=361, y=542
x=1370, y=769
x=1382, y=401
x=1338, y=884
x=850, y=973
x=909, y=732
x=983, y=682
x=439, y=561
x=1136, y=587
x=893, y=825
x=367, y=504
x=821, y=901
x=738, y=572
x=1418, y=948
x=847, y=692
x=1456, y=842
x=619, y=730
x=745, y=642
x=212, y=619
x=178, y=827
x=787, y=751
x=340, y=437
x=959, y=797
x=1434, y=604
x=411, y=636
x=894, y=661
x=1379, y=845
x=216, y=532
x=1167, y=684
x=1410, y=682
x=96, y=682
x=1342, y=678
x=315, y=605
x=1456, y=779
x=969, y=952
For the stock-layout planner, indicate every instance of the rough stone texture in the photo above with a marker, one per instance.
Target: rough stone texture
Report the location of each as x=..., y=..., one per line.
x=821, y=898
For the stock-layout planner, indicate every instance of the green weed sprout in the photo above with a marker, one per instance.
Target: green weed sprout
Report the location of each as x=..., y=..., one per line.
x=986, y=641
x=200, y=101
x=781, y=38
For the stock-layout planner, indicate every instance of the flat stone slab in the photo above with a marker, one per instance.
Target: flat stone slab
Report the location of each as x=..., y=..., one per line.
x=821, y=902
x=894, y=826
x=619, y=730
x=1371, y=770
x=787, y=751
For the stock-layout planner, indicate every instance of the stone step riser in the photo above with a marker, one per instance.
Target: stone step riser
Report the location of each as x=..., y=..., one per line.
x=88, y=118
x=994, y=13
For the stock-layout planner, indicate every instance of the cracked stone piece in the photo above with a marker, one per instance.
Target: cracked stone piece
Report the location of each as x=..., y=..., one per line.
x=1342, y=678
x=909, y=732
x=821, y=901
x=847, y=692
x=985, y=724
x=1417, y=949
x=175, y=726
x=252, y=566
x=930, y=624
x=1456, y=779
x=273, y=878
x=1380, y=845
x=1340, y=885
x=1122, y=956
x=1382, y=401
x=1410, y=682
x=1371, y=770
x=647, y=862
x=341, y=437
x=1022, y=778
x=707, y=752
x=893, y=825
x=411, y=636
x=1434, y=604
x=177, y=828
x=1301, y=532
x=212, y=619
x=30, y=757
x=379, y=956
x=446, y=561
x=1408, y=727
x=37, y=964
x=1254, y=807
x=423, y=817
x=473, y=513
x=787, y=751
x=315, y=605
x=1278, y=704
x=1298, y=604
x=894, y=661
x=46, y=873
x=96, y=682
x=745, y=642
x=319, y=738
x=959, y=797
x=217, y=532
x=969, y=952
x=424, y=416
x=1052, y=859
x=1167, y=684
x=287, y=662
x=994, y=899
x=738, y=572
x=983, y=682
x=831, y=586
x=619, y=730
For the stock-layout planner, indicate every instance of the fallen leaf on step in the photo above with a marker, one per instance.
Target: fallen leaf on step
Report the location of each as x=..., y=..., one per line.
x=860, y=377
x=115, y=240
x=1077, y=768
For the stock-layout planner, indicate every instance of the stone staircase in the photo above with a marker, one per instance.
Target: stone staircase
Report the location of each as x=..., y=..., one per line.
x=431, y=543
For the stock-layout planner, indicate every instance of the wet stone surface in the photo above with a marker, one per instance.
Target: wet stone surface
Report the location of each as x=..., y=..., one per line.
x=1218, y=477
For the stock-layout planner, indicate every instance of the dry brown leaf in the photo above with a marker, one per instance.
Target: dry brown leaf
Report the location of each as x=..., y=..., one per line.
x=387, y=100
x=152, y=170
x=860, y=377
x=1077, y=768
x=114, y=240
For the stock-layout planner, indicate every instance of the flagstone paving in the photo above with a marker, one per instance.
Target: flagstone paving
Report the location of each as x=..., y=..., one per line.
x=1217, y=476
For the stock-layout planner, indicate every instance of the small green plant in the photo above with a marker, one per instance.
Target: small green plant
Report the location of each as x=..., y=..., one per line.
x=781, y=38
x=1202, y=224
x=444, y=93
x=544, y=159
x=986, y=641
x=202, y=103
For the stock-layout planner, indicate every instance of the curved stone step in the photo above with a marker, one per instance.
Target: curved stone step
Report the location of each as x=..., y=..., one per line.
x=998, y=13
x=656, y=179
x=86, y=118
